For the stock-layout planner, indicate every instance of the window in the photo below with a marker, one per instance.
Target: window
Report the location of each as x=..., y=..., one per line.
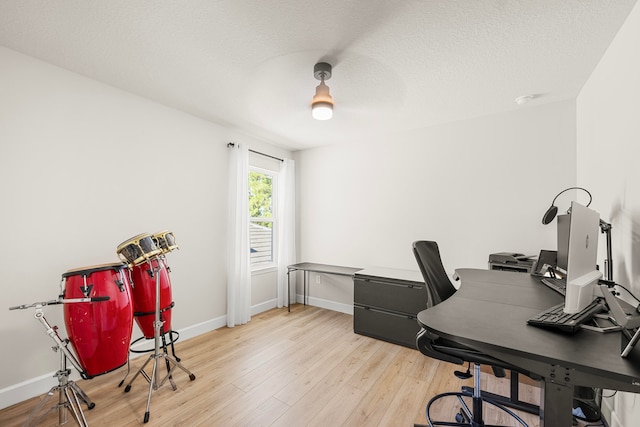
x=262, y=218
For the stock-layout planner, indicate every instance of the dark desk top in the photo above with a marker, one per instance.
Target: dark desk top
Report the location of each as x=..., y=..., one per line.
x=489, y=313
x=392, y=273
x=324, y=268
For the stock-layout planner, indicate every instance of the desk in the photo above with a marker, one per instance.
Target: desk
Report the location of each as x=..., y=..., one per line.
x=489, y=313
x=306, y=267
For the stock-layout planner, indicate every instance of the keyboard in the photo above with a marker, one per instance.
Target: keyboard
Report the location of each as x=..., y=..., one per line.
x=555, y=283
x=555, y=317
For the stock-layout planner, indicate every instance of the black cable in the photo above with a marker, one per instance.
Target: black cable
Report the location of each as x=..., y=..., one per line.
x=629, y=292
x=608, y=397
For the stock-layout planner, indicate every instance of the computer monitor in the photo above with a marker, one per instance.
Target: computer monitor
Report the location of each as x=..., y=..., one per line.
x=582, y=272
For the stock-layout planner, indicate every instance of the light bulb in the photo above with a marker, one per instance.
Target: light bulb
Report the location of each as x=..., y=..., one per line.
x=322, y=111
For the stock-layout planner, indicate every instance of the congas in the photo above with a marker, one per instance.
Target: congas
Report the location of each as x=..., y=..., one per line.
x=100, y=332
x=165, y=241
x=138, y=249
x=144, y=278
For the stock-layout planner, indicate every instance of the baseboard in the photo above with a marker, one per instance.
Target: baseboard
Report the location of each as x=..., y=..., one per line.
x=185, y=333
x=17, y=393
x=329, y=305
x=260, y=308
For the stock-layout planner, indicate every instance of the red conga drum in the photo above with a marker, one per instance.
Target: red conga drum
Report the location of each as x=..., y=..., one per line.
x=100, y=332
x=144, y=278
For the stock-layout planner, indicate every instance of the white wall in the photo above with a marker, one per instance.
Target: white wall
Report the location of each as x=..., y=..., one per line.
x=476, y=187
x=608, y=135
x=84, y=167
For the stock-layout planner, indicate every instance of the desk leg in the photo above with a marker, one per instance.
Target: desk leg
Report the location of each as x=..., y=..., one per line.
x=556, y=405
x=289, y=290
x=511, y=401
x=304, y=291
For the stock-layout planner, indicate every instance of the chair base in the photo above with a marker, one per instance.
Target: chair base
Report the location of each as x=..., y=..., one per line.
x=467, y=416
x=512, y=401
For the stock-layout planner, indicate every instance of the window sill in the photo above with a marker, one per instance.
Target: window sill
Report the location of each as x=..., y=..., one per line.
x=264, y=270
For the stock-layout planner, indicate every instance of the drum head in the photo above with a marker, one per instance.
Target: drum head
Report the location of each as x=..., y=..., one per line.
x=87, y=271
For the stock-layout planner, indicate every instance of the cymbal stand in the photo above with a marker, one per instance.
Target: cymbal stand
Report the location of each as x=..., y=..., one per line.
x=70, y=395
x=155, y=382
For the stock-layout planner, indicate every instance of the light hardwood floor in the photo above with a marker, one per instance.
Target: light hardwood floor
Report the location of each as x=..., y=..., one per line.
x=304, y=368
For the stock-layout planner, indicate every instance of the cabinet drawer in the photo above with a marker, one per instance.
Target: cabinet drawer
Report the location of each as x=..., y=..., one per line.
x=385, y=326
x=398, y=296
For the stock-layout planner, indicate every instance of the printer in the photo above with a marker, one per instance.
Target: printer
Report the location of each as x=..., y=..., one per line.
x=512, y=261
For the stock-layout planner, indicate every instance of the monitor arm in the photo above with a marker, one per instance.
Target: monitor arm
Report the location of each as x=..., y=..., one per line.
x=624, y=314
x=628, y=318
x=605, y=228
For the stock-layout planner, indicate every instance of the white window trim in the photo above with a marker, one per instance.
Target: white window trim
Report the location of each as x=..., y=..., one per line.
x=273, y=265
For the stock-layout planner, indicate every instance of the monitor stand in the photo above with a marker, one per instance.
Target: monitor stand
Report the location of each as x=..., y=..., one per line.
x=626, y=316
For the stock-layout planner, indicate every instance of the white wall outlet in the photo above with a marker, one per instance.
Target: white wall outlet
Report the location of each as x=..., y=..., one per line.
x=318, y=279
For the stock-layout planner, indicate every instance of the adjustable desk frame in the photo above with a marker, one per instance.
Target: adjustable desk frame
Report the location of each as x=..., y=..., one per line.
x=306, y=267
x=511, y=401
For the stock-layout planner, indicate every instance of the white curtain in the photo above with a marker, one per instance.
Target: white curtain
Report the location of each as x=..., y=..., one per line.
x=238, y=267
x=286, y=230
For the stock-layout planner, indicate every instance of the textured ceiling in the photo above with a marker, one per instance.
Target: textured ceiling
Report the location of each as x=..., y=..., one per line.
x=397, y=65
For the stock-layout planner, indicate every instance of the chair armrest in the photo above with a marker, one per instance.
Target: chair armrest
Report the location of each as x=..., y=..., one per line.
x=425, y=343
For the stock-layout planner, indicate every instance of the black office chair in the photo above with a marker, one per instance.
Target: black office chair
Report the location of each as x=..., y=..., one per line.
x=439, y=288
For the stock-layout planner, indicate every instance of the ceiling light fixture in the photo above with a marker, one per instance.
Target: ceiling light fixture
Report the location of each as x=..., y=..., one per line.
x=322, y=103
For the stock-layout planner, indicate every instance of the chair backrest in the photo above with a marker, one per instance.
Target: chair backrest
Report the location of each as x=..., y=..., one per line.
x=439, y=286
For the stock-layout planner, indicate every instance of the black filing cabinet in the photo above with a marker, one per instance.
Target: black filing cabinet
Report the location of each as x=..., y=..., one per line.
x=386, y=303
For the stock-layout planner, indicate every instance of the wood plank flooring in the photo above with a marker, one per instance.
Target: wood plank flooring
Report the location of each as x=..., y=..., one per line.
x=303, y=368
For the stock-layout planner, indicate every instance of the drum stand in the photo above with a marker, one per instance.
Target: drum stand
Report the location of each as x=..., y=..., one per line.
x=155, y=382
x=70, y=395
